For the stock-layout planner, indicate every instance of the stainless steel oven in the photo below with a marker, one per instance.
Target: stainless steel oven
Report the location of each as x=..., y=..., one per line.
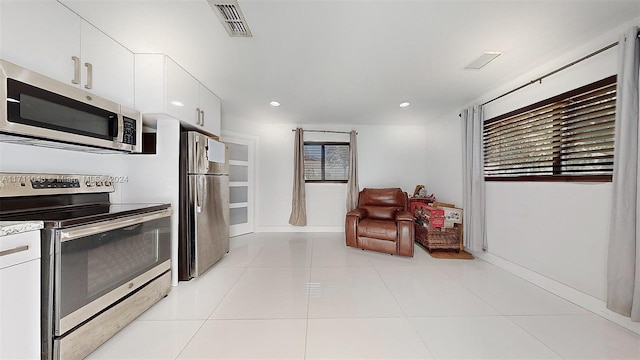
x=103, y=264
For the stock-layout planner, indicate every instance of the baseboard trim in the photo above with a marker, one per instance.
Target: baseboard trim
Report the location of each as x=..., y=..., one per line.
x=291, y=228
x=568, y=293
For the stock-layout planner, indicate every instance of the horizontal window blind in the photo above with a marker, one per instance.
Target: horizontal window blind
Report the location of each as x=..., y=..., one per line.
x=326, y=162
x=569, y=136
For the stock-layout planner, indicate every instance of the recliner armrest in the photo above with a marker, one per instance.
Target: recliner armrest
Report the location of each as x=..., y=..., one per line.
x=359, y=213
x=404, y=216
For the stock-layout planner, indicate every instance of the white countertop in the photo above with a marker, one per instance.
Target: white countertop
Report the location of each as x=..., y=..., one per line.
x=17, y=227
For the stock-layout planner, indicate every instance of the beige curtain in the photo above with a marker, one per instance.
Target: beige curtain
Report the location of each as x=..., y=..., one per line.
x=298, y=215
x=475, y=234
x=352, y=185
x=623, y=270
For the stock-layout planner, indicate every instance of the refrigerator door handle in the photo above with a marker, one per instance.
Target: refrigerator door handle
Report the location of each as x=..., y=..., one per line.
x=199, y=191
x=197, y=155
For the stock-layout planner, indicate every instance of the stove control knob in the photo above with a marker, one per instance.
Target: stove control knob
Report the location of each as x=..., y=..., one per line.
x=88, y=183
x=107, y=183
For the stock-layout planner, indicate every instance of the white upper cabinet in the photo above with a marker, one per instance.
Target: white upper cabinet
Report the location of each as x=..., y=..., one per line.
x=41, y=36
x=210, y=111
x=182, y=94
x=46, y=37
x=107, y=67
x=163, y=88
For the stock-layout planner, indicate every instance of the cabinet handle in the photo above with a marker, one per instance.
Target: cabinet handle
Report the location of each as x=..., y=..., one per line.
x=202, y=113
x=76, y=70
x=89, y=84
x=13, y=251
x=198, y=116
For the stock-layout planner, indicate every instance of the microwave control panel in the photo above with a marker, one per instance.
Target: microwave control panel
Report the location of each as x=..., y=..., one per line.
x=129, y=131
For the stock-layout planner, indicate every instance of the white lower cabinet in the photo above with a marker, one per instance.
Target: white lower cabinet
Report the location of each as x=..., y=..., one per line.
x=20, y=296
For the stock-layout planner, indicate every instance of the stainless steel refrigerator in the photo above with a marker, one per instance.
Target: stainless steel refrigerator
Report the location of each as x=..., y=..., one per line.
x=204, y=203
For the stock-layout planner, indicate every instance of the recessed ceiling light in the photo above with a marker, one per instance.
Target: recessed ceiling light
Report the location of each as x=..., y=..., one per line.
x=274, y=103
x=483, y=60
x=404, y=104
x=177, y=103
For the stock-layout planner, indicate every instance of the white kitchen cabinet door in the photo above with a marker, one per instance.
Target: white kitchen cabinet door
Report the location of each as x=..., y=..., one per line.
x=183, y=92
x=41, y=36
x=210, y=107
x=107, y=67
x=20, y=296
x=164, y=89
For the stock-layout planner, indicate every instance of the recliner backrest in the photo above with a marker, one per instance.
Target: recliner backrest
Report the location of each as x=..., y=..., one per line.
x=382, y=204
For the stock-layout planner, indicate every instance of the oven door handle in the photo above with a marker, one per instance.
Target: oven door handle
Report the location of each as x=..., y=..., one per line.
x=104, y=226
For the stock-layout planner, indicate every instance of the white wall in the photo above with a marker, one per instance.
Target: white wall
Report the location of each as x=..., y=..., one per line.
x=388, y=156
x=444, y=159
x=559, y=230
x=35, y=159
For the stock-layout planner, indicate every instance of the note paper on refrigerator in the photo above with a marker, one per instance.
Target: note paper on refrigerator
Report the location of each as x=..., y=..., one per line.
x=216, y=152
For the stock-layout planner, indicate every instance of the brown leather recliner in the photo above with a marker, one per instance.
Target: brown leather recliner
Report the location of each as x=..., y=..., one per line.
x=382, y=222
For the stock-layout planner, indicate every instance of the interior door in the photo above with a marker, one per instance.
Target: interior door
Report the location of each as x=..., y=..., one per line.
x=241, y=179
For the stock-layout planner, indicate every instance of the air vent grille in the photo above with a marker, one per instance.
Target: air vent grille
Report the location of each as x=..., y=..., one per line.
x=229, y=12
x=231, y=16
x=483, y=60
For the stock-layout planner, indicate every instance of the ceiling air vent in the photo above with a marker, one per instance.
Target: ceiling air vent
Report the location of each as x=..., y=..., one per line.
x=483, y=60
x=230, y=15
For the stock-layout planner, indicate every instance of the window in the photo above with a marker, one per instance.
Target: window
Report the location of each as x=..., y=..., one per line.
x=565, y=138
x=326, y=162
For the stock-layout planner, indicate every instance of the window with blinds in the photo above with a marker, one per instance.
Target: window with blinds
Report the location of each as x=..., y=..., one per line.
x=326, y=162
x=565, y=138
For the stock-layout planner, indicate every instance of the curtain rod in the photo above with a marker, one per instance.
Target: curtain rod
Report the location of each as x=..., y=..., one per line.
x=554, y=72
x=327, y=131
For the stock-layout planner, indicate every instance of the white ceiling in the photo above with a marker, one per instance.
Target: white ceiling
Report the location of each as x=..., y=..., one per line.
x=353, y=62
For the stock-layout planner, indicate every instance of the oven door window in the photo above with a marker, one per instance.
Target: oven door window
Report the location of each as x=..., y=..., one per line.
x=92, y=266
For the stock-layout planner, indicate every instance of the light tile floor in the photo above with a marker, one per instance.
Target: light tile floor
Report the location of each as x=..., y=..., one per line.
x=308, y=296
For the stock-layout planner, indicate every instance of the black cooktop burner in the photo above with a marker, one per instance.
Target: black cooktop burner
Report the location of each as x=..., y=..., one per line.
x=84, y=214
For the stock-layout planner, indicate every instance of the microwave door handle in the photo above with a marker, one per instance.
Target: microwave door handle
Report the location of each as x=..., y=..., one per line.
x=117, y=127
x=120, y=133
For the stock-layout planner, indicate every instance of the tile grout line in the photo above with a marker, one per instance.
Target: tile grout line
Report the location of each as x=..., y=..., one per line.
x=235, y=283
x=501, y=313
x=190, y=340
x=216, y=307
x=306, y=328
x=415, y=330
x=533, y=336
x=483, y=300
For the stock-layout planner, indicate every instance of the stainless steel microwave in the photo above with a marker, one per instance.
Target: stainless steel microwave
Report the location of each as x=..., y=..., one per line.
x=38, y=110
